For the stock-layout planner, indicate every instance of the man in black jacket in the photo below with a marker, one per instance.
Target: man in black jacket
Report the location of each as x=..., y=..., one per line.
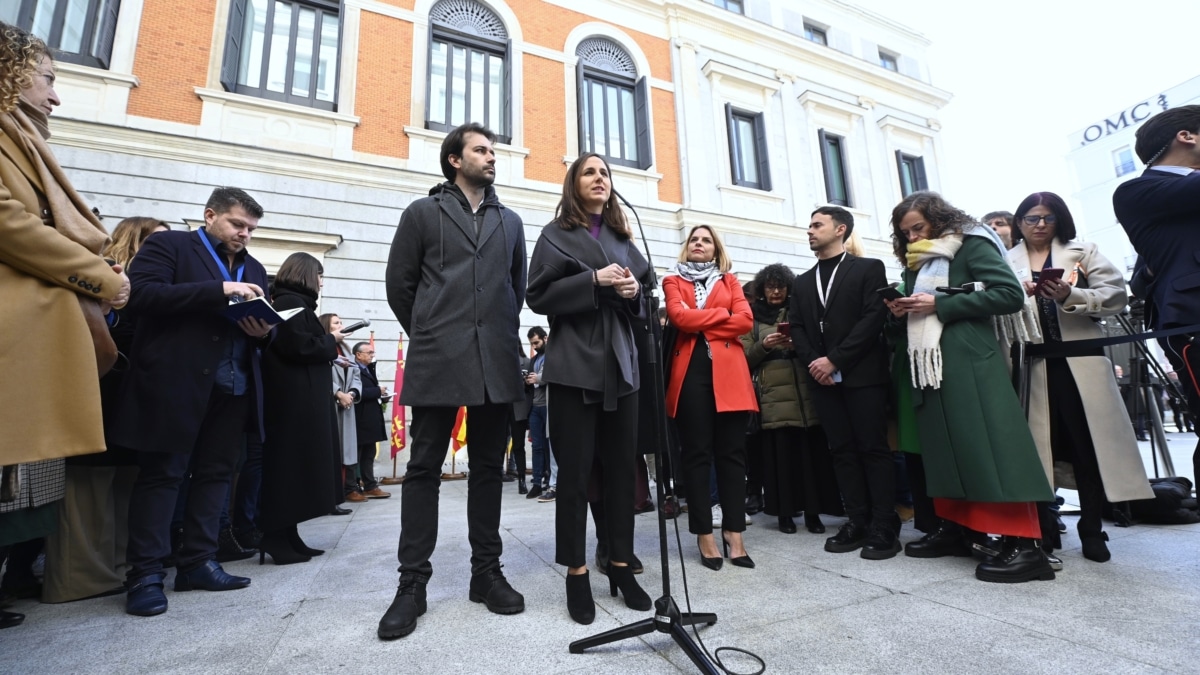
x=368, y=420
x=1160, y=211
x=456, y=282
x=837, y=319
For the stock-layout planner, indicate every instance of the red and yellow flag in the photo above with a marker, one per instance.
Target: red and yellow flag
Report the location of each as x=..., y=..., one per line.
x=458, y=436
x=399, y=431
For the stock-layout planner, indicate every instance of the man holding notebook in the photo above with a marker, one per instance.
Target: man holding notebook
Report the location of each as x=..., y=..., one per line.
x=192, y=391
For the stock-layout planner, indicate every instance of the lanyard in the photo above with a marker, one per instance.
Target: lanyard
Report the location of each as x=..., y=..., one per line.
x=821, y=289
x=221, y=265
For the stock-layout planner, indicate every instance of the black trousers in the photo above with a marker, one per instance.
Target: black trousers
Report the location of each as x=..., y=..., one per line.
x=212, y=460
x=925, y=519
x=487, y=434
x=708, y=438
x=855, y=421
x=366, y=465
x=581, y=433
x=1071, y=441
x=755, y=465
x=1183, y=351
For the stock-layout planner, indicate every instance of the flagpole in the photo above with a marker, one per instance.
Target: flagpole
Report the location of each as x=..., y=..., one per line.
x=399, y=432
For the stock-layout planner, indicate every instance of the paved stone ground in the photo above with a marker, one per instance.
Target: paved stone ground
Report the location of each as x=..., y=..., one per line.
x=802, y=610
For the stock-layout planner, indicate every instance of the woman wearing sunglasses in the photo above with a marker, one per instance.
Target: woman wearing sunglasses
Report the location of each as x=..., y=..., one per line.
x=1085, y=442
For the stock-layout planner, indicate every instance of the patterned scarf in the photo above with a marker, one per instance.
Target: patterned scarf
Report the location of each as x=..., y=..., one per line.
x=930, y=259
x=703, y=275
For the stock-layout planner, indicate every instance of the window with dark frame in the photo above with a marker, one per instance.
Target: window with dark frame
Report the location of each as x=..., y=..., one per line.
x=731, y=5
x=815, y=34
x=748, y=155
x=833, y=162
x=912, y=173
x=77, y=31
x=284, y=50
x=613, y=111
x=470, y=76
x=889, y=61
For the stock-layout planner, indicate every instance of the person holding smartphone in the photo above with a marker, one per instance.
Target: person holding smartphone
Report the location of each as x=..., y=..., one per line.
x=1085, y=443
x=797, y=469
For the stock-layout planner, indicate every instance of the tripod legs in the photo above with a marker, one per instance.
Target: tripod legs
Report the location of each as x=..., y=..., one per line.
x=667, y=619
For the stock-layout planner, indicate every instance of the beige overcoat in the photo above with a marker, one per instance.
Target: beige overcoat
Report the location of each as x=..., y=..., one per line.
x=50, y=396
x=1098, y=291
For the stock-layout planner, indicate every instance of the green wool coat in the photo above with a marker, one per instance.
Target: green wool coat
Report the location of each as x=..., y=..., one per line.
x=974, y=437
x=907, y=438
x=781, y=401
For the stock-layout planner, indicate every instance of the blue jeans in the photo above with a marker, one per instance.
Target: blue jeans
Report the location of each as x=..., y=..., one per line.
x=545, y=468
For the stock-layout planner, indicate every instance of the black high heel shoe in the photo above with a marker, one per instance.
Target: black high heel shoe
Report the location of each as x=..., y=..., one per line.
x=621, y=576
x=293, y=538
x=740, y=561
x=711, y=563
x=580, y=605
x=277, y=546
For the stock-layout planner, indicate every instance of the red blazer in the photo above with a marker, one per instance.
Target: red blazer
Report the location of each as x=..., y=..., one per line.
x=725, y=317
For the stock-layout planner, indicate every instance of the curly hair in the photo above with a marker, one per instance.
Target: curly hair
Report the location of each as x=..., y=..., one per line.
x=128, y=236
x=775, y=274
x=942, y=216
x=20, y=54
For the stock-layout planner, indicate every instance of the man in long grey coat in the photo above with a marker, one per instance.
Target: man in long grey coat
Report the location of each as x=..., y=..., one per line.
x=456, y=282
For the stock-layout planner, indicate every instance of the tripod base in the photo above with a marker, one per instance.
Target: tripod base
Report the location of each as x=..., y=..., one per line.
x=667, y=619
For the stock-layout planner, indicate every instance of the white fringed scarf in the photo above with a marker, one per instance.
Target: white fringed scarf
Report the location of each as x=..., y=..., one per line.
x=931, y=261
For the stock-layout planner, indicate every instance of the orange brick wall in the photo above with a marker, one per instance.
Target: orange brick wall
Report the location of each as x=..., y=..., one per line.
x=545, y=119
x=172, y=59
x=666, y=146
x=384, y=85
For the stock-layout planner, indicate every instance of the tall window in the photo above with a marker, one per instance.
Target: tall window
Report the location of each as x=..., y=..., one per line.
x=80, y=31
x=912, y=173
x=815, y=34
x=469, y=74
x=889, y=61
x=613, y=119
x=748, y=148
x=284, y=50
x=833, y=161
x=1123, y=161
x=731, y=5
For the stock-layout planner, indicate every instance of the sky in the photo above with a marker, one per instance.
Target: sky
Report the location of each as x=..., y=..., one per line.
x=1025, y=75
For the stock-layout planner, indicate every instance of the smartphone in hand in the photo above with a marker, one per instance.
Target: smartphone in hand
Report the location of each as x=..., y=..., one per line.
x=1047, y=274
x=890, y=292
x=784, y=328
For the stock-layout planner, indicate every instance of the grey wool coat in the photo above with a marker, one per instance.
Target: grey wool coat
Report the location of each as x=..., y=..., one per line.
x=458, y=295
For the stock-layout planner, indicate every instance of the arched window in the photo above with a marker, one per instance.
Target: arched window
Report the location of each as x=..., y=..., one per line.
x=80, y=31
x=469, y=68
x=613, y=119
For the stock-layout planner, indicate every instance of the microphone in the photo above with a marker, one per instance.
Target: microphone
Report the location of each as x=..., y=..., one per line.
x=355, y=326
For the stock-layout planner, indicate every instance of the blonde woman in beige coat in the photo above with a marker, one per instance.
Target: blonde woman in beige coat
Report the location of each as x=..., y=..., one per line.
x=1085, y=442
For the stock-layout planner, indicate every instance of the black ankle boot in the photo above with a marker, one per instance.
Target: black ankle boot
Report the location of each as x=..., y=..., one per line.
x=621, y=577
x=229, y=549
x=946, y=540
x=579, y=598
x=401, y=617
x=812, y=522
x=1094, y=548
x=522, y=489
x=1020, y=560
x=293, y=538
x=787, y=525
x=276, y=545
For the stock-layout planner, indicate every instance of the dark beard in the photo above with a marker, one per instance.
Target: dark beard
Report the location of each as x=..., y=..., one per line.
x=480, y=178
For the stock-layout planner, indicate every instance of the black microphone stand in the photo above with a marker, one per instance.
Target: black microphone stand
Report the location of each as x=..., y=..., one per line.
x=667, y=617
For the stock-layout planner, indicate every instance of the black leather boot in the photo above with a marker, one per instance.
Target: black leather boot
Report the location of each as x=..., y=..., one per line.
x=493, y=589
x=579, y=598
x=228, y=547
x=1094, y=548
x=409, y=603
x=946, y=540
x=1020, y=560
x=522, y=489
x=621, y=577
x=881, y=542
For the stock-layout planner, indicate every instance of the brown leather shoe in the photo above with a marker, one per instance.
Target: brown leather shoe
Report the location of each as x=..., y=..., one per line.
x=377, y=493
x=355, y=497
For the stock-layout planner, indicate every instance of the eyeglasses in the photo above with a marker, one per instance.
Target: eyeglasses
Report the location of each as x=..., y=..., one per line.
x=1033, y=220
x=774, y=289
x=365, y=352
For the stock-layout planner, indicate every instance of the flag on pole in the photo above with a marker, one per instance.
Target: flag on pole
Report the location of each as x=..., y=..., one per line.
x=399, y=432
x=458, y=437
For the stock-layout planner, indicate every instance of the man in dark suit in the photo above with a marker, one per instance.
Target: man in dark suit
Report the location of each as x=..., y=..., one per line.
x=456, y=282
x=1160, y=211
x=191, y=393
x=837, y=319
x=368, y=420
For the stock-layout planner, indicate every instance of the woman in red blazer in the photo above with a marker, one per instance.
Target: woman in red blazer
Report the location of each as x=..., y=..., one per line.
x=709, y=393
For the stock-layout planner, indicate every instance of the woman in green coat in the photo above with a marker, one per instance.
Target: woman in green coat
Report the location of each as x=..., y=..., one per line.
x=797, y=468
x=981, y=464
